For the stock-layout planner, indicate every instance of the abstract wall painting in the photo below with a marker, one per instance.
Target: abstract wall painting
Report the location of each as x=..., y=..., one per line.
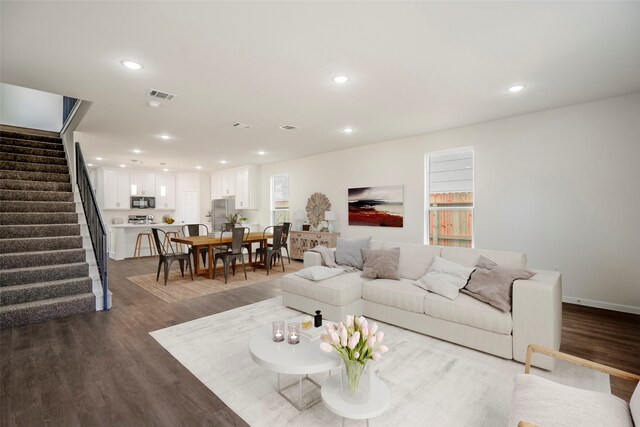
x=377, y=206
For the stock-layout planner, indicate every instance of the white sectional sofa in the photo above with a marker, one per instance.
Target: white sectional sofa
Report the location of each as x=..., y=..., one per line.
x=536, y=315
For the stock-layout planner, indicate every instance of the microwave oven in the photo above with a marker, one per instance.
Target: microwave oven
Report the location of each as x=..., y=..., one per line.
x=143, y=202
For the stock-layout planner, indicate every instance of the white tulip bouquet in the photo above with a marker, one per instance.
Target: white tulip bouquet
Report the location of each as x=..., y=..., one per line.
x=356, y=343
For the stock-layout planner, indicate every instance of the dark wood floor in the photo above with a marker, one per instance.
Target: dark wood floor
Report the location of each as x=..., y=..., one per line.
x=105, y=368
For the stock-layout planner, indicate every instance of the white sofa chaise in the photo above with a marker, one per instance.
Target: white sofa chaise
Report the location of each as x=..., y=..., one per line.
x=536, y=315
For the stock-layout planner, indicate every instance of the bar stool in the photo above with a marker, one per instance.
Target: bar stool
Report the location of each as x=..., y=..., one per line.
x=139, y=240
x=167, y=239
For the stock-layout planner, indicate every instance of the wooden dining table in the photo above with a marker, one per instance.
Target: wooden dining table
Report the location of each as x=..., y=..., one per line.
x=210, y=242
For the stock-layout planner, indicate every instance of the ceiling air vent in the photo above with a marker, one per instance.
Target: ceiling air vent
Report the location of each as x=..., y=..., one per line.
x=242, y=125
x=155, y=93
x=289, y=127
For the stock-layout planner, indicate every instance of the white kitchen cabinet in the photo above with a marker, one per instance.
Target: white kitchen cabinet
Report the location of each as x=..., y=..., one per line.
x=216, y=186
x=113, y=189
x=165, y=191
x=246, y=187
x=143, y=184
x=223, y=184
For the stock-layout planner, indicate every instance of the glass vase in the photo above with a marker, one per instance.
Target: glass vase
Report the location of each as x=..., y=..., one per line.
x=356, y=381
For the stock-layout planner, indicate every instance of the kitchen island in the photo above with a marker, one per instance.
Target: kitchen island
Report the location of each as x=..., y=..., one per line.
x=122, y=238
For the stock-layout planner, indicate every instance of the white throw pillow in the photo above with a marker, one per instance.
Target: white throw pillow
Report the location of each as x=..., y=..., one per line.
x=445, y=278
x=319, y=272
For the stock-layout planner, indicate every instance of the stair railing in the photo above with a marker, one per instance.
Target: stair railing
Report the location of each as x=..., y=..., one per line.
x=97, y=229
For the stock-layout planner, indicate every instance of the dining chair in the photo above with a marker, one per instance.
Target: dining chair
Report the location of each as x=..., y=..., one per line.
x=238, y=239
x=268, y=252
x=286, y=228
x=226, y=227
x=197, y=230
x=167, y=258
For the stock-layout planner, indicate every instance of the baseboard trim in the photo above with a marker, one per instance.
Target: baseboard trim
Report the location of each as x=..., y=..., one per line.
x=601, y=304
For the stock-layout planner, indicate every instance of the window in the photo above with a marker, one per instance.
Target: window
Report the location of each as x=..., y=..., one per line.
x=279, y=199
x=449, y=198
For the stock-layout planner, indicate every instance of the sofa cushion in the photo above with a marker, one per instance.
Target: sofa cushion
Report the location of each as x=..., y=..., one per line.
x=445, y=278
x=547, y=403
x=348, y=251
x=339, y=290
x=318, y=272
x=395, y=293
x=469, y=257
x=468, y=311
x=415, y=258
x=380, y=263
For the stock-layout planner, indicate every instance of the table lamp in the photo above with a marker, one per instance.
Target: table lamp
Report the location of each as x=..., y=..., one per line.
x=330, y=216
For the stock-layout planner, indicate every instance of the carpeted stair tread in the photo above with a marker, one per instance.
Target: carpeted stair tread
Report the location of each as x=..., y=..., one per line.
x=36, y=206
x=20, y=218
x=22, y=185
x=29, y=158
x=33, y=167
x=20, y=294
x=30, y=136
x=38, y=311
x=35, y=244
x=38, y=230
x=34, y=176
x=18, y=142
x=41, y=258
x=31, y=151
x=36, y=196
x=19, y=276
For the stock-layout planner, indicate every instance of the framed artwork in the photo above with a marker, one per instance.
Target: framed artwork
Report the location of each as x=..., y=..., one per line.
x=377, y=206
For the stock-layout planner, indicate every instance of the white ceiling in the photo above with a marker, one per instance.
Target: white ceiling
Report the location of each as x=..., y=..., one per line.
x=415, y=67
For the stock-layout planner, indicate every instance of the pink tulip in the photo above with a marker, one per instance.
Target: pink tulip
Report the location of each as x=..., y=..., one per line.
x=383, y=349
x=352, y=343
x=326, y=347
x=356, y=354
x=379, y=336
x=349, y=321
x=371, y=341
x=361, y=320
x=375, y=356
x=356, y=334
x=365, y=325
x=341, y=327
x=365, y=332
x=324, y=337
x=329, y=327
x=343, y=341
x=343, y=333
x=335, y=339
x=373, y=329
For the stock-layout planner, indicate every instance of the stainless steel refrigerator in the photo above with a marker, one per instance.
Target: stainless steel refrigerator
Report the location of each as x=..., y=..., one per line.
x=220, y=210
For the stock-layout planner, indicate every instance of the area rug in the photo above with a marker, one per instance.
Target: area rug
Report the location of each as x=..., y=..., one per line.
x=432, y=382
x=183, y=288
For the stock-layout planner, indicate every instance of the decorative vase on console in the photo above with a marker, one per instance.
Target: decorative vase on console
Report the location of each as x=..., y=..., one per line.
x=329, y=217
x=357, y=344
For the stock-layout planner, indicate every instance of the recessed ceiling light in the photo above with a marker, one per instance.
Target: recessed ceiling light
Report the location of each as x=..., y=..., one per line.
x=132, y=65
x=261, y=153
x=153, y=104
x=515, y=88
x=98, y=158
x=137, y=151
x=165, y=137
x=223, y=161
x=341, y=79
x=165, y=170
x=347, y=130
x=123, y=166
x=89, y=164
x=198, y=167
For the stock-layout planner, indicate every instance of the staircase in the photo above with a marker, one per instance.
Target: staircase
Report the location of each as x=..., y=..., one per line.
x=44, y=273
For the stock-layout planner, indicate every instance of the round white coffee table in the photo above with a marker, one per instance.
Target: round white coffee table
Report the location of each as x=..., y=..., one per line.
x=377, y=404
x=304, y=359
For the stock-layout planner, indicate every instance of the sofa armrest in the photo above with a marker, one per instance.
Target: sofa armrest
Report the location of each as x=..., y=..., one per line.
x=537, y=315
x=311, y=259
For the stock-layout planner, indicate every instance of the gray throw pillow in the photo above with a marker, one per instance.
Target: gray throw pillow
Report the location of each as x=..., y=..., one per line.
x=493, y=284
x=381, y=264
x=348, y=251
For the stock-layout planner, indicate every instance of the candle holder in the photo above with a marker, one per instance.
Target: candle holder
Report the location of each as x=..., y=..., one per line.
x=278, y=330
x=294, y=335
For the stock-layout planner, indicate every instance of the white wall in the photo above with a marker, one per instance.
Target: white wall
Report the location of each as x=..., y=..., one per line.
x=30, y=108
x=560, y=185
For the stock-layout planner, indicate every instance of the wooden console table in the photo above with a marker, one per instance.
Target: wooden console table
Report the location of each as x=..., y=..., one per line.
x=302, y=241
